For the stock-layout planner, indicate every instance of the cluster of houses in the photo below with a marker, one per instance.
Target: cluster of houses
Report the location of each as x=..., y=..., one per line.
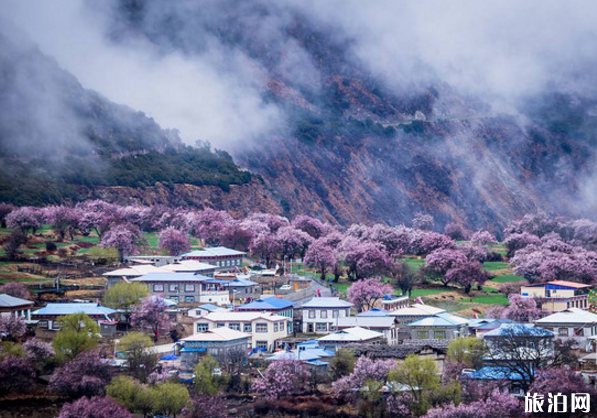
x=198, y=287
x=204, y=276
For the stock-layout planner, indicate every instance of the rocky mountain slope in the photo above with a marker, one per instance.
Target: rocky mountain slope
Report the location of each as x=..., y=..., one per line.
x=355, y=149
x=60, y=142
x=352, y=146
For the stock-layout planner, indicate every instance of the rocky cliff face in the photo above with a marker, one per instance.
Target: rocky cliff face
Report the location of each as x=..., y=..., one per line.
x=240, y=200
x=356, y=149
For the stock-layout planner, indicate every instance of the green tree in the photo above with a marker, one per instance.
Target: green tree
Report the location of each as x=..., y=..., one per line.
x=123, y=296
x=206, y=381
x=132, y=394
x=141, y=358
x=421, y=378
x=342, y=363
x=469, y=351
x=79, y=333
x=170, y=398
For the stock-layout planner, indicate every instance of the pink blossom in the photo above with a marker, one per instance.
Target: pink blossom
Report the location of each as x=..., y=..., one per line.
x=282, y=378
x=366, y=292
x=96, y=407
x=174, y=241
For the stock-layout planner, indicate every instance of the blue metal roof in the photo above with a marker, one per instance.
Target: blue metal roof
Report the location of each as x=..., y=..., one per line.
x=268, y=304
x=374, y=312
x=519, y=330
x=192, y=350
x=493, y=373
x=73, y=308
x=209, y=307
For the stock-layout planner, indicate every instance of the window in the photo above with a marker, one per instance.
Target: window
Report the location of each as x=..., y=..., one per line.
x=158, y=287
x=579, y=332
x=189, y=288
x=189, y=299
x=173, y=297
x=234, y=325
x=202, y=327
x=311, y=314
x=261, y=328
x=323, y=314
x=321, y=327
x=173, y=288
x=281, y=326
x=423, y=334
x=261, y=344
x=248, y=328
x=563, y=332
x=275, y=327
x=439, y=335
x=220, y=325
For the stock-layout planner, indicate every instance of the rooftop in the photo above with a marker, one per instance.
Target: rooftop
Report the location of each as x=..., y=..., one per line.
x=442, y=319
x=241, y=316
x=137, y=270
x=187, y=266
x=374, y=312
x=60, y=309
x=172, y=277
x=213, y=252
x=493, y=373
x=318, y=302
x=366, y=321
x=268, y=304
x=7, y=301
x=417, y=309
x=569, y=316
x=518, y=330
x=218, y=334
x=355, y=334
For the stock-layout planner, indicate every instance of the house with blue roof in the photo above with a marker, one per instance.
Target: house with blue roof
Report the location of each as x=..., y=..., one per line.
x=504, y=377
x=225, y=259
x=273, y=304
x=187, y=287
x=50, y=315
x=441, y=326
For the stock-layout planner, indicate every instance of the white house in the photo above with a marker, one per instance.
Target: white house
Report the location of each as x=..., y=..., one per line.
x=346, y=336
x=387, y=325
x=573, y=323
x=321, y=315
x=11, y=306
x=265, y=328
x=415, y=312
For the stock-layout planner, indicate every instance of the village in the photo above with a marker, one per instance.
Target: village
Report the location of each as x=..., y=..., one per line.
x=292, y=318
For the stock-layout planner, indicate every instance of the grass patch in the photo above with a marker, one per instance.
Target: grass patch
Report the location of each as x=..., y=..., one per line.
x=342, y=287
x=495, y=265
x=413, y=263
x=428, y=292
x=498, y=299
x=507, y=278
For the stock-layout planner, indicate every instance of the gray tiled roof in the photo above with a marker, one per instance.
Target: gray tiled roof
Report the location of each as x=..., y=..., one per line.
x=7, y=301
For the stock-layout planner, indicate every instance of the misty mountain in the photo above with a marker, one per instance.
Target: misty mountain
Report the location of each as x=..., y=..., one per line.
x=61, y=142
x=348, y=111
x=355, y=147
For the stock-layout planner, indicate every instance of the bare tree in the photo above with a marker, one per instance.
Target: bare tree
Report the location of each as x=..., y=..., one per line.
x=520, y=349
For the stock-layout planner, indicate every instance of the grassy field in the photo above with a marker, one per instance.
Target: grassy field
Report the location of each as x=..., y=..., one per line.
x=495, y=265
x=427, y=292
x=498, y=299
x=414, y=263
x=507, y=278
